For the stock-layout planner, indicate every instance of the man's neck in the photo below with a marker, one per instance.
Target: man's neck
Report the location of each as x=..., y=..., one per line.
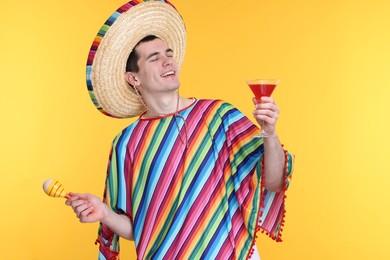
x=160, y=105
x=166, y=103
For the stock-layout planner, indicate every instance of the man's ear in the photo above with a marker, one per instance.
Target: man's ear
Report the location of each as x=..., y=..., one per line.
x=132, y=79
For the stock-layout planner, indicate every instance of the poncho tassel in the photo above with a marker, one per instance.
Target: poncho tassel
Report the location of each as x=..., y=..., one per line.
x=111, y=255
x=278, y=238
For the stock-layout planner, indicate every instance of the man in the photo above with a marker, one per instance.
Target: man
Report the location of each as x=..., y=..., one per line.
x=187, y=180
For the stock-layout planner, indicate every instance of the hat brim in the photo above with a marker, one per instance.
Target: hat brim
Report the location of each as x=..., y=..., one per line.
x=106, y=65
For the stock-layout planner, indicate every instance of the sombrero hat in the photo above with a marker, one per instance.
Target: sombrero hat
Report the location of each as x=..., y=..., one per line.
x=106, y=65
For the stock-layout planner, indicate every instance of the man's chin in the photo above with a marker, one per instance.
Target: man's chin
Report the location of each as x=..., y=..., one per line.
x=175, y=86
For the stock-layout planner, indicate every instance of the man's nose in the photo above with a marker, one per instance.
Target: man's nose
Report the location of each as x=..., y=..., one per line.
x=167, y=61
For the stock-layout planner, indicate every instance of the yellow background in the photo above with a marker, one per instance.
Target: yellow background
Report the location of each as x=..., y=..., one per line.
x=333, y=60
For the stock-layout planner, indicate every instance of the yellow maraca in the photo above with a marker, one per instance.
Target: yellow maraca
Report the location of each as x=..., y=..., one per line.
x=54, y=189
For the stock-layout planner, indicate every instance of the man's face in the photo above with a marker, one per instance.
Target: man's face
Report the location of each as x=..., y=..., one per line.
x=158, y=70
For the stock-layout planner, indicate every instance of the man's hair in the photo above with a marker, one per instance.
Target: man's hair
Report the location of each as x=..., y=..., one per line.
x=131, y=64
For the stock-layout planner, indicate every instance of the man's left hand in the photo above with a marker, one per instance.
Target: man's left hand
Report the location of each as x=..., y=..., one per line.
x=266, y=114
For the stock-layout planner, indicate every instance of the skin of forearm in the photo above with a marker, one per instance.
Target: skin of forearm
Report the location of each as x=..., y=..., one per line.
x=119, y=224
x=274, y=162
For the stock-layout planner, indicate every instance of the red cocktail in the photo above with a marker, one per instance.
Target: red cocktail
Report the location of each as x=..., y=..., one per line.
x=262, y=88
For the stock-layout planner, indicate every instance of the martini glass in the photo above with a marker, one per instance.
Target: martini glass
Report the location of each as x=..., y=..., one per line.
x=262, y=88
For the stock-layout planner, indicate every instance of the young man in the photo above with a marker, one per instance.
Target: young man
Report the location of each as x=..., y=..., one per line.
x=187, y=180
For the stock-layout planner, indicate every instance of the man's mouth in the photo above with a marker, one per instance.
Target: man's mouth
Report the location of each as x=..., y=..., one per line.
x=168, y=73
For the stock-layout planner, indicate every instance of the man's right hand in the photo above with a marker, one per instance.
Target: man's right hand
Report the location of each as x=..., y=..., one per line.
x=88, y=208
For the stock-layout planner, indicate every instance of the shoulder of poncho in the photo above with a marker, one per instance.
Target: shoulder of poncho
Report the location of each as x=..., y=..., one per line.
x=127, y=128
x=219, y=102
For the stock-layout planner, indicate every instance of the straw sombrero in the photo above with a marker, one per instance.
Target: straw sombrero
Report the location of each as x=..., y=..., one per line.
x=106, y=65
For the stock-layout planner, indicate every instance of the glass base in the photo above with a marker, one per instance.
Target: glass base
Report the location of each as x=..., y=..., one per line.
x=262, y=134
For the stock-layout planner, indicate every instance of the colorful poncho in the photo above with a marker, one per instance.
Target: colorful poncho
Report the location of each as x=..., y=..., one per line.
x=192, y=185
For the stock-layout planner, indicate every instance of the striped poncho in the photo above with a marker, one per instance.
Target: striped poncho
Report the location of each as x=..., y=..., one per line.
x=192, y=185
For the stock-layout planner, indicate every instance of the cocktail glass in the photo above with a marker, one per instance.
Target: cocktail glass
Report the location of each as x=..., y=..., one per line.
x=262, y=88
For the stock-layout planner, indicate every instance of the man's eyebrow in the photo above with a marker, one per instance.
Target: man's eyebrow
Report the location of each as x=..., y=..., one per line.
x=152, y=54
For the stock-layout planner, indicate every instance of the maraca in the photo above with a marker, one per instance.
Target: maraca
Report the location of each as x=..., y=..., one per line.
x=54, y=189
